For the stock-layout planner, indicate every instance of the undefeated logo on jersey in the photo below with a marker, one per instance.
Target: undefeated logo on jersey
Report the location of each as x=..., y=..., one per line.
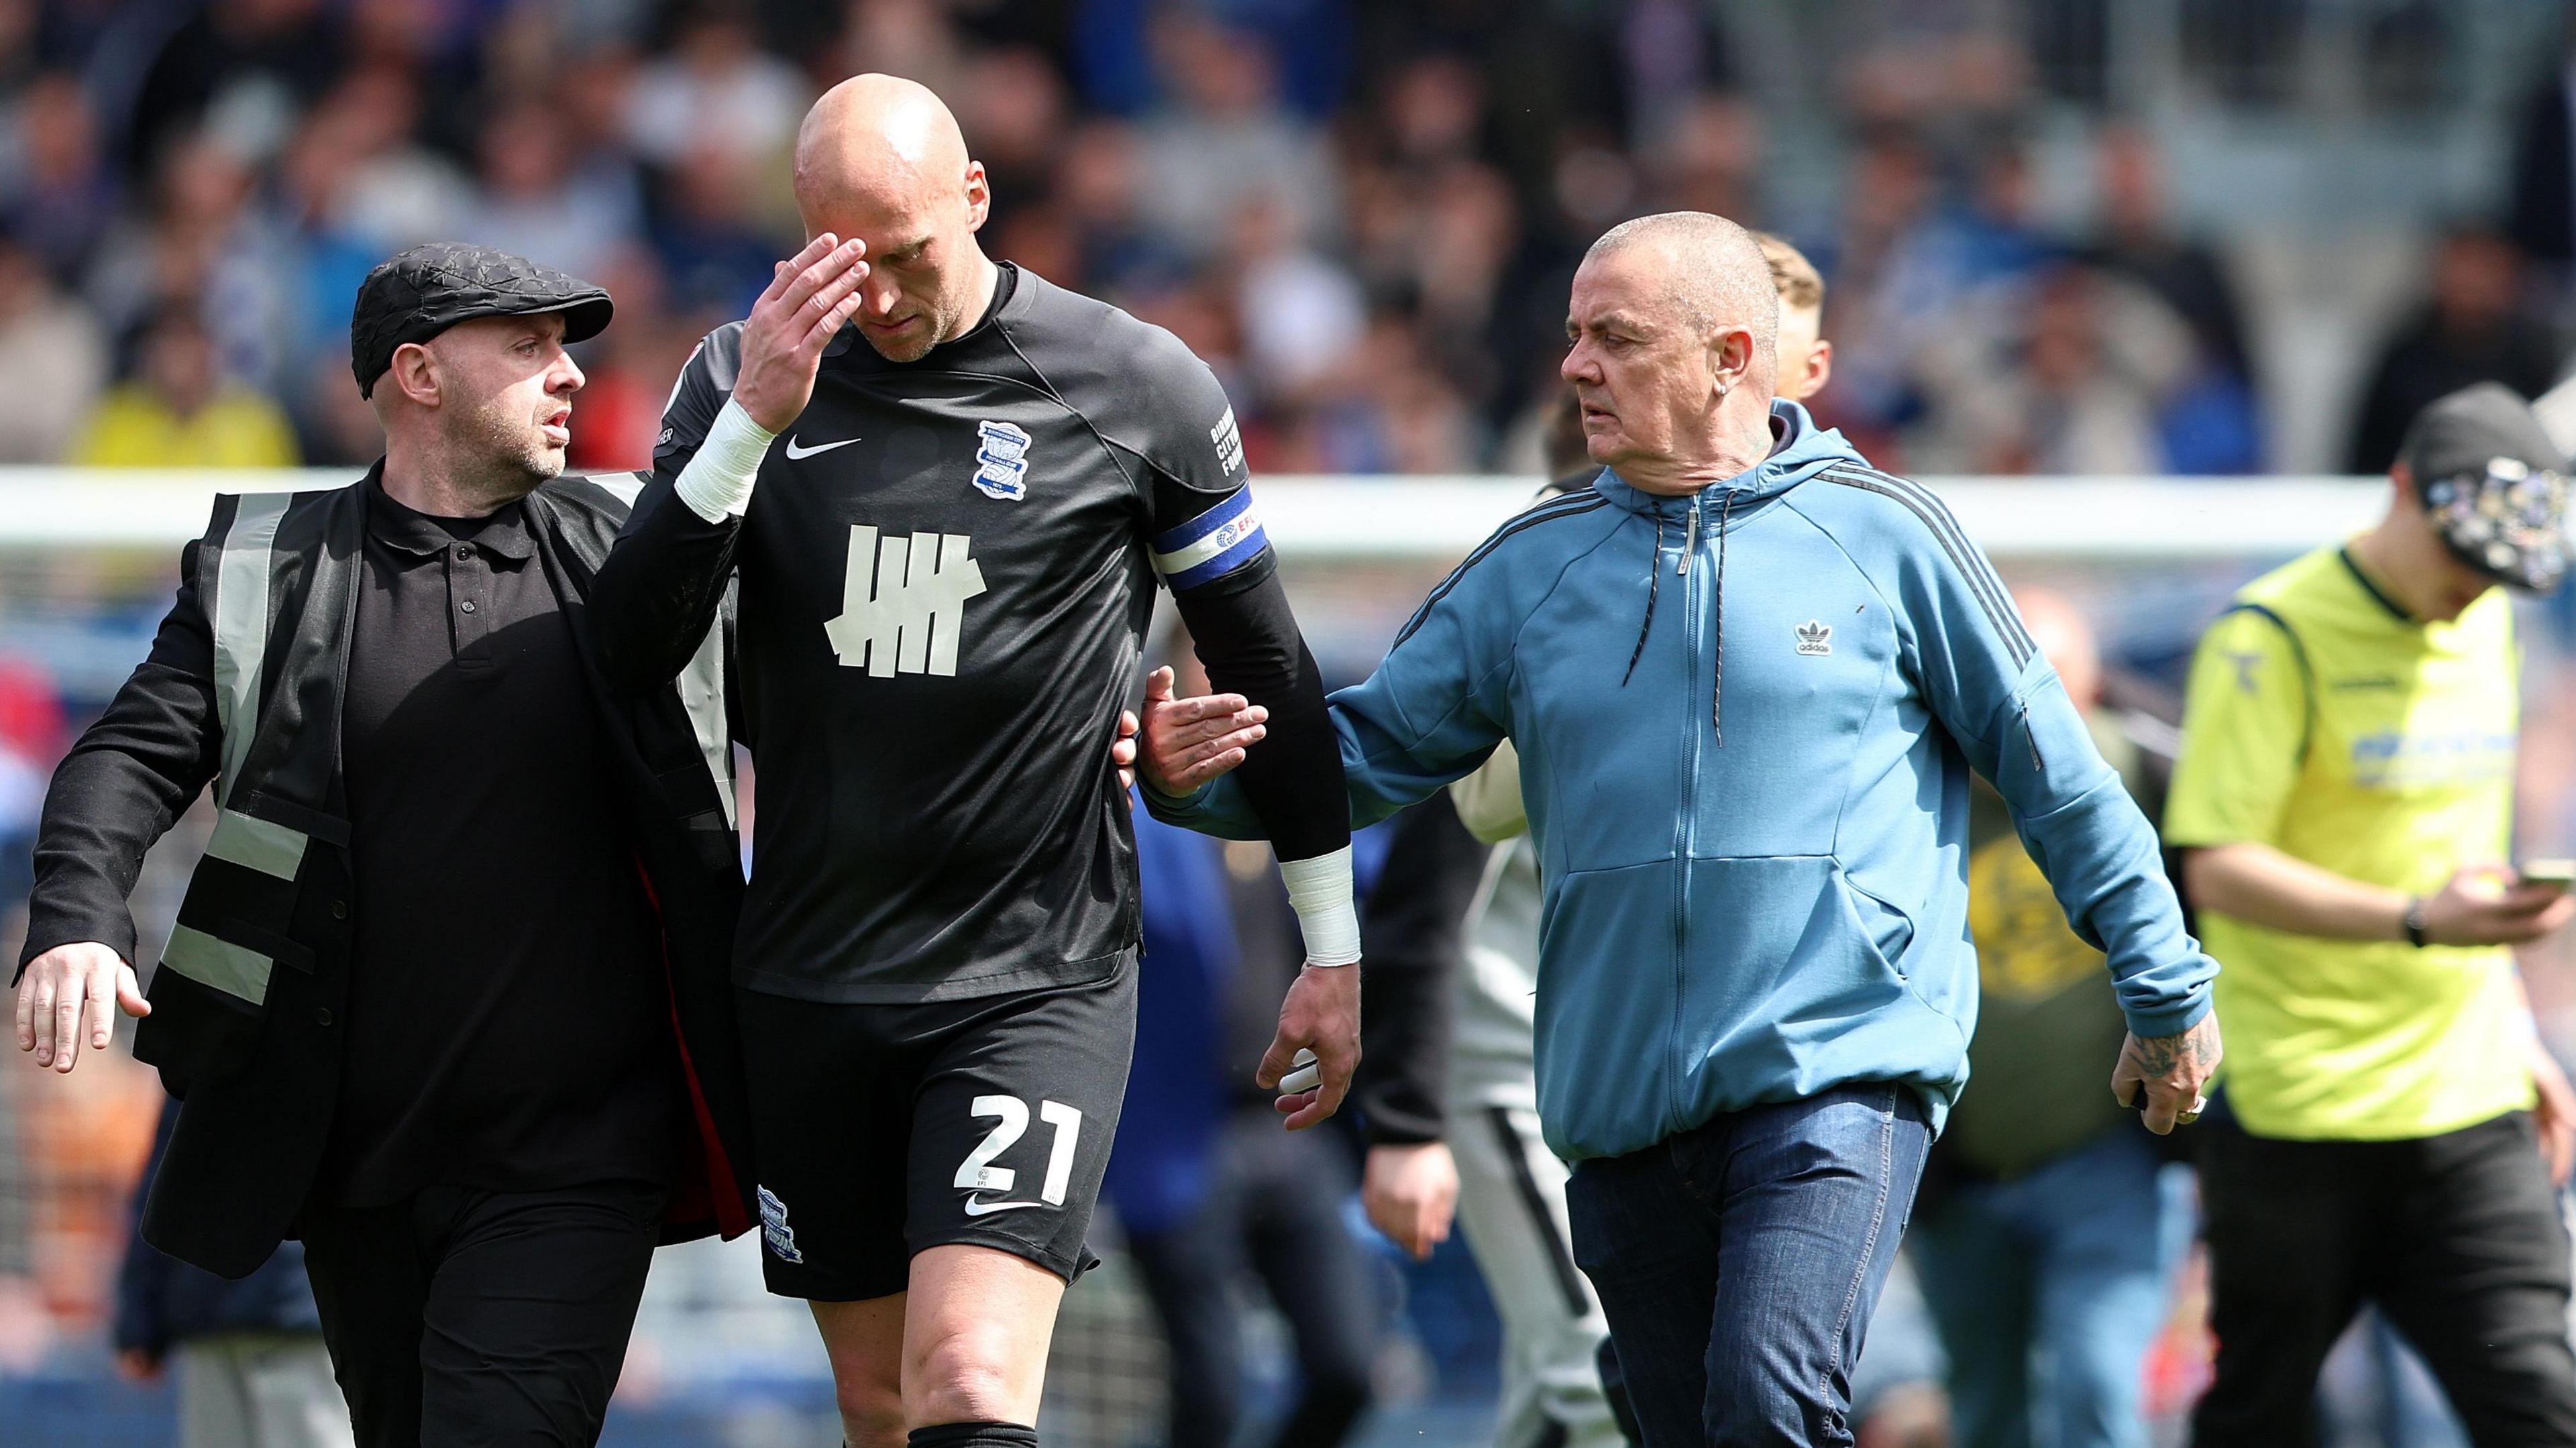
x=1002, y=462
x=903, y=602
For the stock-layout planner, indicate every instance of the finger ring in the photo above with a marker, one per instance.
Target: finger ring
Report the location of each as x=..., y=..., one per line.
x=2185, y=1118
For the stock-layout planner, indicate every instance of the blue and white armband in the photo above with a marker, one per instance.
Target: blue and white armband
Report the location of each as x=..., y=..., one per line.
x=1211, y=545
x=1319, y=890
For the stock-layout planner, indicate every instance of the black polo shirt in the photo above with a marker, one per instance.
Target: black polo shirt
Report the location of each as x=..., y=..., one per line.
x=509, y=1026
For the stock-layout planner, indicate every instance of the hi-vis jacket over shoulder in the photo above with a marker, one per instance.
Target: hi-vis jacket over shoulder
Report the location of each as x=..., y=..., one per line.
x=243, y=689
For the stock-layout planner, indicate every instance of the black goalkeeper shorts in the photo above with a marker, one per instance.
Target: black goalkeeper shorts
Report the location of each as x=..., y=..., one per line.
x=883, y=1130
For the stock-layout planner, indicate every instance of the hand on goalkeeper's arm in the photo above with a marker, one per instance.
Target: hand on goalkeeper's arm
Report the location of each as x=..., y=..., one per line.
x=1189, y=742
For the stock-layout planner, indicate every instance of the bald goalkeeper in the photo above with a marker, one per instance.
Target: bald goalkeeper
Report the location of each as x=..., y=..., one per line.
x=1747, y=675
x=946, y=488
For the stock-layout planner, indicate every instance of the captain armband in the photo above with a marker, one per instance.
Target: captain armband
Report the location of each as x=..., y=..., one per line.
x=1319, y=890
x=717, y=482
x=1211, y=545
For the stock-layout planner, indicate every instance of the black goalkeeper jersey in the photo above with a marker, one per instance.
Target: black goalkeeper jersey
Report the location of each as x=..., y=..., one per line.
x=946, y=571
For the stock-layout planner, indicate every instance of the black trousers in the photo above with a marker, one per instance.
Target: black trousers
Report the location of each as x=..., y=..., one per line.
x=464, y=1317
x=1276, y=1209
x=2455, y=1238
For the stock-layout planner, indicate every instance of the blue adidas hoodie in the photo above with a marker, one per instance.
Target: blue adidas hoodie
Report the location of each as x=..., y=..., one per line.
x=1746, y=720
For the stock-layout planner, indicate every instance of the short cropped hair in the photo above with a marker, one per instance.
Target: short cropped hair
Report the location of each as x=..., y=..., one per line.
x=1716, y=269
x=1795, y=277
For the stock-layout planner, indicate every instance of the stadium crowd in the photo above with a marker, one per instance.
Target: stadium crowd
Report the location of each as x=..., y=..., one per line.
x=1365, y=215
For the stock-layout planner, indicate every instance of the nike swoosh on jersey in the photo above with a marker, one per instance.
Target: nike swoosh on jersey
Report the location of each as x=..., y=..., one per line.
x=799, y=454
x=975, y=1208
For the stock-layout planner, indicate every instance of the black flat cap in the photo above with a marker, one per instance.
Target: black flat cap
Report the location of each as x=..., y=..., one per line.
x=414, y=295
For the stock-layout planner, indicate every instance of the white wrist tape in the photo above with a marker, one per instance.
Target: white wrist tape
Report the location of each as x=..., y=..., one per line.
x=1319, y=890
x=717, y=482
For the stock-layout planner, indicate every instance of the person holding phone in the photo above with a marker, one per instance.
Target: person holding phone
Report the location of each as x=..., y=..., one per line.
x=2345, y=800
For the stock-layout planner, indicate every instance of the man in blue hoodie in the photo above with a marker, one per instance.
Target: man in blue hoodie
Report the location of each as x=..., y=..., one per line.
x=1750, y=803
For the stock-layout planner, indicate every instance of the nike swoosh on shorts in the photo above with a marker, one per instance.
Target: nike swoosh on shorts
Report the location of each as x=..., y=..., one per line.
x=975, y=1208
x=799, y=454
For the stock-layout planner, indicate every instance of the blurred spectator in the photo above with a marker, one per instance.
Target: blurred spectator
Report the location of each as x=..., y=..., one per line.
x=1707, y=157
x=203, y=247
x=2047, y=1231
x=1225, y=138
x=2473, y=328
x=716, y=89
x=56, y=195
x=1100, y=182
x=1211, y=1192
x=53, y=360
x=252, y=1371
x=2135, y=238
x=2065, y=376
x=243, y=67
x=1301, y=313
x=537, y=202
x=31, y=740
x=2543, y=220
x=1013, y=112
x=715, y=254
x=181, y=411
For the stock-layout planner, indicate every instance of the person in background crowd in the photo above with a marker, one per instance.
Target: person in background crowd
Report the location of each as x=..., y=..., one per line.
x=2390, y=1123
x=1210, y=1193
x=53, y=360
x=2474, y=327
x=180, y=411
x=249, y=1357
x=1741, y=987
x=2047, y=1234
x=1806, y=357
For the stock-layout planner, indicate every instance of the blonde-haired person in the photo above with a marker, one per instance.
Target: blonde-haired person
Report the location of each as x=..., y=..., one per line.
x=1806, y=358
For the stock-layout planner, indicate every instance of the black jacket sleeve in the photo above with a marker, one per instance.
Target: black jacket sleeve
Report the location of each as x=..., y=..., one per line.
x=664, y=583
x=127, y=778
x=1413, y=929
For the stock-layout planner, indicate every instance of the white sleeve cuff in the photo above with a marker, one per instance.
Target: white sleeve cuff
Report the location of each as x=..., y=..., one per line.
x=717, y=482
x=1319, y=890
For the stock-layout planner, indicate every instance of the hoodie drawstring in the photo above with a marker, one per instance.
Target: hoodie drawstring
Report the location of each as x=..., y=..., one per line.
x=1717, y=699
x=1654, y=581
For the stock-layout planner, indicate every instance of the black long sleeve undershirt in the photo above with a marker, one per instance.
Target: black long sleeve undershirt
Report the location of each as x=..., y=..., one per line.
x=1247, y=638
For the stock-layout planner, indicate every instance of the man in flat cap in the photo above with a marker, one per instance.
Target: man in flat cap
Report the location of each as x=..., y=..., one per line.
x=447, y=996
x=2390, y=1122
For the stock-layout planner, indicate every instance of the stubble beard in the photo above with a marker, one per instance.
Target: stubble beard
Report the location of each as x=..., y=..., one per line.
x=501, y=455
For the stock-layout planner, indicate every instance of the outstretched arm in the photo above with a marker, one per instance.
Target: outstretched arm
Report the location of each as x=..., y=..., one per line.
x=660, y=590
x=1999, y=699
x=130, y=775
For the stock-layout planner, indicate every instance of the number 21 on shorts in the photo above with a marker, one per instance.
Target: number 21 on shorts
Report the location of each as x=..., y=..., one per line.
x=1010, y=1117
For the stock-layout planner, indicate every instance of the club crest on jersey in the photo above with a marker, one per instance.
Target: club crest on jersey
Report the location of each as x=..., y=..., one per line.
x=1815, y=638
x=774, y=1231
x=1002, y=462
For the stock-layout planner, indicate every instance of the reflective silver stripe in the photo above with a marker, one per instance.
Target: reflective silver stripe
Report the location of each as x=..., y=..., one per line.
x=624, y=487
x=702, y=694
x=218, y=964
x=241, y=627
x=254, y=844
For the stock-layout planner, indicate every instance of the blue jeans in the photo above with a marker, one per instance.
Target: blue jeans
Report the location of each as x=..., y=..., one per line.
x=2050, y=1289
x=1739, y=1261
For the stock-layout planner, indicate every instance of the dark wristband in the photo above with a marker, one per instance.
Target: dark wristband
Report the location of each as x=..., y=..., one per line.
x=2414, y=922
